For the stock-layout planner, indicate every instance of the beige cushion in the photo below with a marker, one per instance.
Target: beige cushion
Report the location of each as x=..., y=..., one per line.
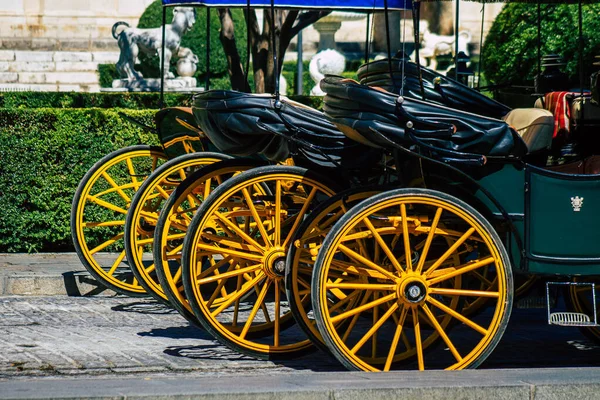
x=584, y=108
x=539, y=103
x=534, y=125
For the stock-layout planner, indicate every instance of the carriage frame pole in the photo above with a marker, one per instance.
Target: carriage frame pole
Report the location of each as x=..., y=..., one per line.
x=161, y=101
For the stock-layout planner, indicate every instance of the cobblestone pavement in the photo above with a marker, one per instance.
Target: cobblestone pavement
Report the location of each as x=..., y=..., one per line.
x=78, y=335
x=74, y=336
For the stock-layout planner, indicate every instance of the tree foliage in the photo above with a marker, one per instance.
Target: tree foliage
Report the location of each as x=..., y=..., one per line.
x=510, y=51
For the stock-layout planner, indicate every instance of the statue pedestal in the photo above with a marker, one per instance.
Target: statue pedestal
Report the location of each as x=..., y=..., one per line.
x=184, y=84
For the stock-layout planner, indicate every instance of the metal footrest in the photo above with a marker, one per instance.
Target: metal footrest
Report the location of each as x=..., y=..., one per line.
x=570, y=319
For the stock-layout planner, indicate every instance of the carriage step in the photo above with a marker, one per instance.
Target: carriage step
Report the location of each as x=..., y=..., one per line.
x=570, y=319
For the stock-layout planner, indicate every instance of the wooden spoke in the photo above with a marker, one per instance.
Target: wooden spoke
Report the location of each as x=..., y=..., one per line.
x=442, y=333
x=418, y=341
x=107, y=205
x=219, y=288
x=374, y=328
x=229, y=252
x=277, y=216
x=257, y=305
x=239, y=294
x=301, y=213
x=463, y=292
x=482, y=278
x=102, y=224
x=451, y=250
x=462, y=270
x=110, y=241
x=116, y=264
x=344, y=301
x=363, y=308
x=112, y=183
x=430, y=235
x=165, y=195
x=277, y=318
x=407, y=250
x=396, y=338
x=131, y=169
x=355, y=317
x=256, y=217
x=236, y=306
x=368, y=263
x=383, y=246
x=239, y=231
x=458, y=316
x=151, y=268
x=227, y=275
x=361, y=286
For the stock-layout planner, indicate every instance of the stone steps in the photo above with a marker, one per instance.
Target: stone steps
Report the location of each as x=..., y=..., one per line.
x=52, y=71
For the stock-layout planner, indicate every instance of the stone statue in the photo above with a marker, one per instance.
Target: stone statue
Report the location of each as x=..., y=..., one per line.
x=187, y=62
x=434, y=45
x=133, y=40
x=326, y=62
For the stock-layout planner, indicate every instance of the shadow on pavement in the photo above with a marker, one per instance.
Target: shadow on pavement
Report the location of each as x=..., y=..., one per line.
x=206, y=352
x=530, y=342
x=314, y=361
x=145, y=307
x=178, y=332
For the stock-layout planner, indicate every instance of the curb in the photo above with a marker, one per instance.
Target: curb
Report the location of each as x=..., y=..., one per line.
x=529, y=384
x=46, y=274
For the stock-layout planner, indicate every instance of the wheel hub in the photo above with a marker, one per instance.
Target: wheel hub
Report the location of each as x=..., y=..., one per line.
x=274, y=263
x=412, y=289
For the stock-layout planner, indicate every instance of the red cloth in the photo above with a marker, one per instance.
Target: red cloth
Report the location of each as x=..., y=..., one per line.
x=557, y=104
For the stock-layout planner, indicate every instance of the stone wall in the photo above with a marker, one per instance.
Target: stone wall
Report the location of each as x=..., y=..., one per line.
x=52, y=71
x=64, y=25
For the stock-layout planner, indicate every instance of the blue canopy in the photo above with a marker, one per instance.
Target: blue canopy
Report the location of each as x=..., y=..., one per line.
x=350, y=5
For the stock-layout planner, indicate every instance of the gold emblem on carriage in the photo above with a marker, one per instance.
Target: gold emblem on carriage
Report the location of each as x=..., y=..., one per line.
x=577, y=203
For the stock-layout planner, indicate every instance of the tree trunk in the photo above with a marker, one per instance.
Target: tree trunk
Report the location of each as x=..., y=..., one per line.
x=227, y=37
x=380, y=34
x=287, y=25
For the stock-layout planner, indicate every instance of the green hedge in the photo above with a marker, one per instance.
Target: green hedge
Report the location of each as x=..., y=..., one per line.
x=44, y=153
x=136, y=101
x=510, y=51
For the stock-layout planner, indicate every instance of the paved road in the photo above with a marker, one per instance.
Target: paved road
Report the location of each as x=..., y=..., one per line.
x=66, y=336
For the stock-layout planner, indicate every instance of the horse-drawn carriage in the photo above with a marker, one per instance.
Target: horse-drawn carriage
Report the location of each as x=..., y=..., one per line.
x=389, y=229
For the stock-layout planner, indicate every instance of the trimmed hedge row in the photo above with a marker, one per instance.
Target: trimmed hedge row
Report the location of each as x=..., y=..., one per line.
x=125, y=100
x=43, y=155
x=108, y=72
x=136, y=101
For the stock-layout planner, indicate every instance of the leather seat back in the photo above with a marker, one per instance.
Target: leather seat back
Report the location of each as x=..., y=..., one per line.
x=534, y=125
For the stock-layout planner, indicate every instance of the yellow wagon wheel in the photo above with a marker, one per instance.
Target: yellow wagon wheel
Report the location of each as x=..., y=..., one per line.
x=239, y=239
x=302, y=256
x=98, y=214
x=145, y=207
x=172, y=225
x=409, y=291
x=580, y=299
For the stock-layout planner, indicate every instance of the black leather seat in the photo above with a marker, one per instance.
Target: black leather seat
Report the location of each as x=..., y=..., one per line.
x=245, y=124
x=358, y=110
x=446, y=92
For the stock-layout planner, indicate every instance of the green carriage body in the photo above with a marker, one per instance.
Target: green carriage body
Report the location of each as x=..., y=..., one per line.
x=555, y=217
